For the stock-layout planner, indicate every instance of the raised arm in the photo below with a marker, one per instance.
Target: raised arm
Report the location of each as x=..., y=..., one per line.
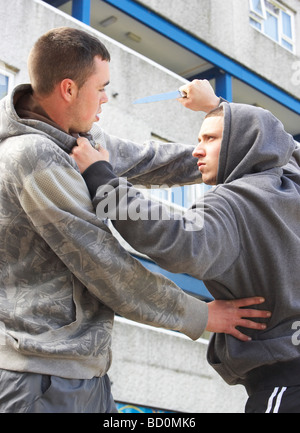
x=150, y=163
x=154, y=162
x=200, y=96
x=223, y=316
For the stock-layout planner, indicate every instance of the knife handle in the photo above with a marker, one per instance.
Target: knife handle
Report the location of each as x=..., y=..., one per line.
x=183, y=94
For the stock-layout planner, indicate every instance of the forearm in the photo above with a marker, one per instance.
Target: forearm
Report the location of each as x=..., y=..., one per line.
x=65, y=221
x=178, y=243
x=150, y=163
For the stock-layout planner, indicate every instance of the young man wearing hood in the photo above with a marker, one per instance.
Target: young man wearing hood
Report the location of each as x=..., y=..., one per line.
x=243, y=235
x=63, y=274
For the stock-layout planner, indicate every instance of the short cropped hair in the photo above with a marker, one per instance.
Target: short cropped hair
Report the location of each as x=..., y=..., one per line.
x=216, y=112
x=63, y=53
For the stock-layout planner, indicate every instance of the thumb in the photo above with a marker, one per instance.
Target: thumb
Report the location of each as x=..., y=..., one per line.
x=83, y=142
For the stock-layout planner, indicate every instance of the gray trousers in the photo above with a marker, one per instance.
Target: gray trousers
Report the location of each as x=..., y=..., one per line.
x=38, y=393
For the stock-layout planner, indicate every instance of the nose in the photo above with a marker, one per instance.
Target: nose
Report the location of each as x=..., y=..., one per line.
x=198, y=151
x=104, y=98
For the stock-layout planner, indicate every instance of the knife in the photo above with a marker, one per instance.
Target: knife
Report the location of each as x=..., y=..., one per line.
x=161, y=97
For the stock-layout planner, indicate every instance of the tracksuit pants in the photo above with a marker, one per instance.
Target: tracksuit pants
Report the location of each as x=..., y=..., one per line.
x=39, y=393
x=279, y=399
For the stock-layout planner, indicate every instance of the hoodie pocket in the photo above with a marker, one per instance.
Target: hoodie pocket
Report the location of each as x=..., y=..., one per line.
x=220, y=367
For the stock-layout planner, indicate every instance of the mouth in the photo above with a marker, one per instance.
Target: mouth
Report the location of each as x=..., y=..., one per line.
x=200, y=165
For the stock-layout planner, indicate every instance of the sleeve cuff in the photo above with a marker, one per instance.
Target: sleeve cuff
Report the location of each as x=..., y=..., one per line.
x=97, y=174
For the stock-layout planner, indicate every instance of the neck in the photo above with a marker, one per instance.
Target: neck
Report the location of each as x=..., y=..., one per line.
x=54, y=109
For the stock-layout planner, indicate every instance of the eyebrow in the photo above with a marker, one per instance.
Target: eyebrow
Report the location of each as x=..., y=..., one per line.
x=206, y=135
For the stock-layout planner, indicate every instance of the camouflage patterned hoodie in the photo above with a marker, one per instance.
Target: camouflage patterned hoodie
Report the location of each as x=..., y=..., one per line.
x=62, y=273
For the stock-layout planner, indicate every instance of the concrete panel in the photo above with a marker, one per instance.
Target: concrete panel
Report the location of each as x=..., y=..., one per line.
x=167, y=370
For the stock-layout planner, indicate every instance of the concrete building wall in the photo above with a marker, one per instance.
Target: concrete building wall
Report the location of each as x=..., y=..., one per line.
x=150, y=367
x=225, y=26
x=166, y=370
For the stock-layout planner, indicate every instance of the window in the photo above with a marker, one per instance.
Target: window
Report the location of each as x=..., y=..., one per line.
x=181, y=197
x=274, y=20
x=257, y=7
x=6, y=81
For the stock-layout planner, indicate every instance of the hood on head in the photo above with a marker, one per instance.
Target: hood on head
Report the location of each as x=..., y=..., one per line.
x=253, y=141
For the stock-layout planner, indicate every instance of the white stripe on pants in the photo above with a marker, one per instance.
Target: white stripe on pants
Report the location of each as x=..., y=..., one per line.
x=277, y=393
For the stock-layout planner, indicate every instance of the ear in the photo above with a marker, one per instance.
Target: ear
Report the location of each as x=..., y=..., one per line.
x=68, y=89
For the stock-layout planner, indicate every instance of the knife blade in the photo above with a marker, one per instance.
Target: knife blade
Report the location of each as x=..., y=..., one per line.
x=161, y=97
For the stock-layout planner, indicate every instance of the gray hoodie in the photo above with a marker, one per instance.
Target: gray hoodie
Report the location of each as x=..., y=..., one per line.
x=244, y=240
x=62, y=273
